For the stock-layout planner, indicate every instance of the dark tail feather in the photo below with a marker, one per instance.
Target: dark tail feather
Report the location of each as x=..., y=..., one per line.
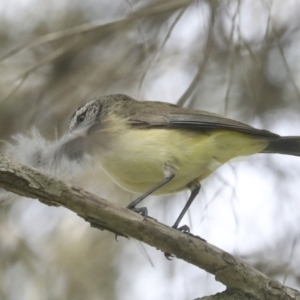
x=289, y=145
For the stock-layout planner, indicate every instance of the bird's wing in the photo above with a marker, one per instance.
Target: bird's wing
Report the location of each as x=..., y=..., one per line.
x=164, y=115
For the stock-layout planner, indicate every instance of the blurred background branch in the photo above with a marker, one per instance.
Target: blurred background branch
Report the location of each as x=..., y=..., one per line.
x=236, y=57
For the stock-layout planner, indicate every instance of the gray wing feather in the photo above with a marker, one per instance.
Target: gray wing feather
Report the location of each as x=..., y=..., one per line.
x=198, y=122
x=164, y=115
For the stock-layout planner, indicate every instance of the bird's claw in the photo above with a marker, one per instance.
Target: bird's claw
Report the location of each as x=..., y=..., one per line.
x=184, y=229
x=140, y=210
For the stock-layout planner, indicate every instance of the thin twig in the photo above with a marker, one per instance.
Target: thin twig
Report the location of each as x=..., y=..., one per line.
x=286, y=65
x=188, y=92
x=231, y=59
x=155, y=57
x=55, y=54
x=90, y=27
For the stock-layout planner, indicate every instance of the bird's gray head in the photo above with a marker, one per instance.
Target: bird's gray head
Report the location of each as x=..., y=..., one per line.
x=85, y=117
x=74, y=143
x=86, y=120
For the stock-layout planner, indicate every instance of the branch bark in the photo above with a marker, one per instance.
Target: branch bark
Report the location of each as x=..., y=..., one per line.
x=242, y=281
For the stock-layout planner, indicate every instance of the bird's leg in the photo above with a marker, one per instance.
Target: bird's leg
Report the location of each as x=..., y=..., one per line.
x=169, y=175
x=195, y=188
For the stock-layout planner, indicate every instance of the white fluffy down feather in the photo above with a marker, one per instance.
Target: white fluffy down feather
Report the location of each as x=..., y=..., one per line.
x=51, y=157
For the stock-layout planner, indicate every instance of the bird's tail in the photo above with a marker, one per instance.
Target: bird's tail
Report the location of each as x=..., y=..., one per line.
x=289, y=145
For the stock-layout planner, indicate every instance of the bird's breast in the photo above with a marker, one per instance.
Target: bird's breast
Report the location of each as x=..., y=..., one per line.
x=135, y=158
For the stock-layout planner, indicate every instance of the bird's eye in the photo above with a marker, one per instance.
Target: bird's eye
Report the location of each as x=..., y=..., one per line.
x=81, y=118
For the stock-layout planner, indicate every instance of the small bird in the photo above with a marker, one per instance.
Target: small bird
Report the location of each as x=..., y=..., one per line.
x=149, y=147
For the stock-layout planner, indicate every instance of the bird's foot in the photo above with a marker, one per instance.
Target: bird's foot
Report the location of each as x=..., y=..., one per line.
x=184, y=229
x=140, y=210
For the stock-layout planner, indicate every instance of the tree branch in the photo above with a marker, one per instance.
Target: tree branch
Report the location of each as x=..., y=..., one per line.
x=240, y=278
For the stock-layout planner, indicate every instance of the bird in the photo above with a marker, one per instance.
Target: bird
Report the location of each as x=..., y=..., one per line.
x=157, y=148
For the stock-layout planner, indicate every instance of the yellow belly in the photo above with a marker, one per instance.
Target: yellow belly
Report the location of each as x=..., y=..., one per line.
x=135, y=158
